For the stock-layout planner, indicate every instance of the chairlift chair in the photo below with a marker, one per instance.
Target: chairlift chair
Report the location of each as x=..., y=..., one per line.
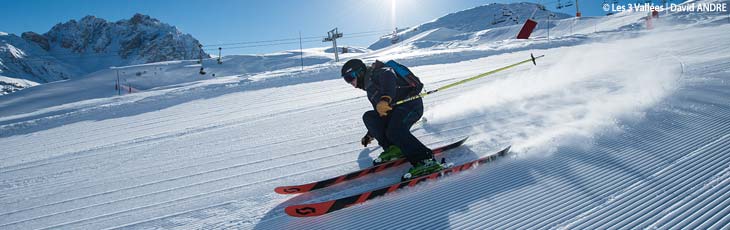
x=394, y=39
x=497, y=21
x=570, y=3
x=507, y=13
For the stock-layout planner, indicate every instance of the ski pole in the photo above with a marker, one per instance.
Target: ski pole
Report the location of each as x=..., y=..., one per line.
x=532, y=58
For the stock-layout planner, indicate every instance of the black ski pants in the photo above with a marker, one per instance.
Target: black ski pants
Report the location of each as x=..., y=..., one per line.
x=394, y=129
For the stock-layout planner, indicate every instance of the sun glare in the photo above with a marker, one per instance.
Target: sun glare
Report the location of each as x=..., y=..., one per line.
x=392, y=14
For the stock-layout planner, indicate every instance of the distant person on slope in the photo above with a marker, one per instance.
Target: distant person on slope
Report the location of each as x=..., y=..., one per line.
x=390, y=125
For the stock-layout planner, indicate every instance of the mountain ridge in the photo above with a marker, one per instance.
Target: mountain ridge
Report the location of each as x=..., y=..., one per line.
x=75, y=48
x=471, y=21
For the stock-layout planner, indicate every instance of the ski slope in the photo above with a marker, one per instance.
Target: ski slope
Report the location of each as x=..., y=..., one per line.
x=614, y=129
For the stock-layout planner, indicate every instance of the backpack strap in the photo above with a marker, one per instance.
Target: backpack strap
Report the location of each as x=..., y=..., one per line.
x=402, y=72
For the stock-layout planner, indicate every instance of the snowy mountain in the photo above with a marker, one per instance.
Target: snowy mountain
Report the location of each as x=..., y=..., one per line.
x=99, y=43
x=464, y=24
x=620, y=126
x=26, y=62
x=75, y=48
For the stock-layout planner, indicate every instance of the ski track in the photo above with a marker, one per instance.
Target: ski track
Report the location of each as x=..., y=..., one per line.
x=186, y=177
x=212, y=162
x=184, y=168
x=155, y=183
x=541, y=206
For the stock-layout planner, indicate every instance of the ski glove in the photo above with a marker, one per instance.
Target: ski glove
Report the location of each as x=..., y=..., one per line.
x=383, y=107
x=365, y=141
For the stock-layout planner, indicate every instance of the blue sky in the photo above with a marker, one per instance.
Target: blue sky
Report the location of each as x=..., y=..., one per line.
x=232, y=21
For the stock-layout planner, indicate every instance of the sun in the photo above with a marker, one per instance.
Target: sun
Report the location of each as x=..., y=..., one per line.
x=392, y=13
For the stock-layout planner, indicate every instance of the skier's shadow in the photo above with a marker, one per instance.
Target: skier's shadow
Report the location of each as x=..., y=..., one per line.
x=364, y=160
x=471, y=184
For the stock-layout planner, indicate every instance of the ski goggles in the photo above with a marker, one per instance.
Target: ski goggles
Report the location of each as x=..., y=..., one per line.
x=349, y=76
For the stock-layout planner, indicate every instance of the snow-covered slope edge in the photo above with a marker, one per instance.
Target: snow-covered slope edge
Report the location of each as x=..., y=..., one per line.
x=158, y=82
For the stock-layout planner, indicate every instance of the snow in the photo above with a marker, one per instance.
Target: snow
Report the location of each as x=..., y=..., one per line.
x=616, y=127
x=158, y=77
x=348, y=50
x=24, y=60
x=473, y=20
x=14, y=52
x=597, y=95
x=9, y=85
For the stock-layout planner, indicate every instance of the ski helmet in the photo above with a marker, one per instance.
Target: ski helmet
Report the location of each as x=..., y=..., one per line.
x=352, y=69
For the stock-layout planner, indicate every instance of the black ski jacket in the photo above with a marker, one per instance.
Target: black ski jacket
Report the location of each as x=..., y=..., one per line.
x=384, y=82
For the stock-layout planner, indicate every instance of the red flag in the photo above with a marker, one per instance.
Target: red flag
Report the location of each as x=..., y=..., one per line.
x=527, y=29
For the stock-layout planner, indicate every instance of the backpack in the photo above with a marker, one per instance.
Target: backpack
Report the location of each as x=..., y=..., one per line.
x=403, y=73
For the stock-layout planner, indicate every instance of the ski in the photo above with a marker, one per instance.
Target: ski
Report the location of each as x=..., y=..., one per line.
x=318, y=209
x=295, y=189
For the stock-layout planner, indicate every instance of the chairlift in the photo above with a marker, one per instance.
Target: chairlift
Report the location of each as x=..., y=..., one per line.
x=394, y=38
x=559, y=6
x=506, y=13
x=497, y=21
x=569, y=4
x=219, y=55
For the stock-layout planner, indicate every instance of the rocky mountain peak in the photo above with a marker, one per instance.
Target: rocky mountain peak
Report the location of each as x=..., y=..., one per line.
x=41, y=40
x=77, y=47
x=143, y=19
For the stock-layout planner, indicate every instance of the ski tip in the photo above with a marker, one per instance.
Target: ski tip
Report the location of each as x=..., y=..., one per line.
x=505, y=151
x=309, y=210
x=463, y=140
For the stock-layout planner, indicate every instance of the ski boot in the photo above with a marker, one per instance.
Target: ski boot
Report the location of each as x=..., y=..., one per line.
x=425, y=167
x=392, y=153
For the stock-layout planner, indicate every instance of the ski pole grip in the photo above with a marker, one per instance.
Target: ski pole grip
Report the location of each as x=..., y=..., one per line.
x=533, y=59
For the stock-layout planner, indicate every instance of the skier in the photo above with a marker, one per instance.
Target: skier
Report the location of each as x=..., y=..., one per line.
x=390, y=125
